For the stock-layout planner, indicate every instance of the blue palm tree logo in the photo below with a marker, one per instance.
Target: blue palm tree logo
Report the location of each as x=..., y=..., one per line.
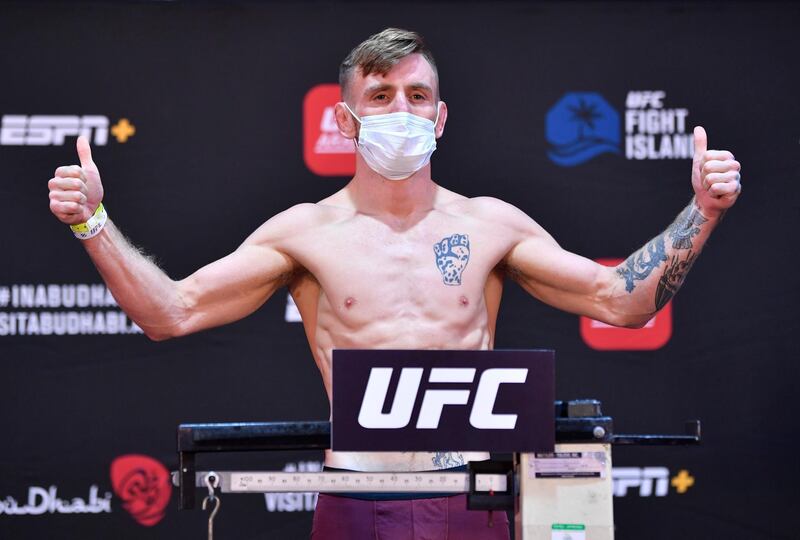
x=584, y=114
x=580, y=126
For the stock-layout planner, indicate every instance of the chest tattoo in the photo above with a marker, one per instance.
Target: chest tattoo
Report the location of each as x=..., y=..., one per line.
x=452, y=256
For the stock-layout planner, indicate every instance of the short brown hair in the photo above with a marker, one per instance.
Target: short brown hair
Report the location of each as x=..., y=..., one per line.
x=380, y=52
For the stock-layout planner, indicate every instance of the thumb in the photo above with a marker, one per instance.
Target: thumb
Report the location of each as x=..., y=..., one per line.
x=85, y=154
x=700, y=141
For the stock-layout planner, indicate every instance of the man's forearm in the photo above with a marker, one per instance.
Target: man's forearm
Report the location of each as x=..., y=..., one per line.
x=148, y=296
x=652, y=275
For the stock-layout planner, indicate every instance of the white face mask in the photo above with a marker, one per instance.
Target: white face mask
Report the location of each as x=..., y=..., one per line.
x=396, y=145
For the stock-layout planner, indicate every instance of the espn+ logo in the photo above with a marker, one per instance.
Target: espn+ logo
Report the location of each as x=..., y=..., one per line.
x=371, y=415
x=52, y=130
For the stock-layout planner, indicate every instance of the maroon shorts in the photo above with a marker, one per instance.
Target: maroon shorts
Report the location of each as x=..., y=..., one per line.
x=440, y=518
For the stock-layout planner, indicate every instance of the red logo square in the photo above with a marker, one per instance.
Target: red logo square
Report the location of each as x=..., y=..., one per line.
x=325, y=151
x=603, y=337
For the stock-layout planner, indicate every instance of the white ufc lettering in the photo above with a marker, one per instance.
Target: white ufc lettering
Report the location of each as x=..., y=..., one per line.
x=371, y=416
x=433, y=401
x=643, y=99
x=482, y=416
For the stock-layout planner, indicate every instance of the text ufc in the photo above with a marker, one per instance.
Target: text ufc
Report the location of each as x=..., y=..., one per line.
x=434, y=400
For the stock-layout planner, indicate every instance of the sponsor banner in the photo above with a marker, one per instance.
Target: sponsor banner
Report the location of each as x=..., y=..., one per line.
x=291, y=313
x=52, y=130
x=143, y=484
x=59, y=309
x=294, y=502
x=649, y=481
x=654, y=131
x=580, y=126
x=498, y=401
x=604, y=337
x=41, y=500
x=325, y=150
x=583, y=125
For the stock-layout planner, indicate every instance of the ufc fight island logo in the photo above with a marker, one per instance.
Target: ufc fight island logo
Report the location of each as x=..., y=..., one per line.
x=407, y=400
x=583, y=125
x=433, y=401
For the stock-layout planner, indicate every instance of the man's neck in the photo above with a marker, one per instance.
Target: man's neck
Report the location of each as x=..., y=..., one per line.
x=375, y=195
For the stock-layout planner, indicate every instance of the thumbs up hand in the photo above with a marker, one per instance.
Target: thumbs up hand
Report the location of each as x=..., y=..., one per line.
x=715, y=177
x=76, y=190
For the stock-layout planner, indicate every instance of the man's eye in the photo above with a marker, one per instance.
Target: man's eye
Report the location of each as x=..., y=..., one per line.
x=418, y=97
x=381, y=97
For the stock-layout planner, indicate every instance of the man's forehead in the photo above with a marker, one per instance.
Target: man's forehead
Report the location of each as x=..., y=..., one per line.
x=413, y=71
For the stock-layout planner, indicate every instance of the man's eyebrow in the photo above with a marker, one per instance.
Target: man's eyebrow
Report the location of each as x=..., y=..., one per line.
x=421, y=86
x=382, y=87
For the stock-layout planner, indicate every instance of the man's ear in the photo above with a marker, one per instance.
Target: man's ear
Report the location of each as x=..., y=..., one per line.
x=438, y=129
x=347, y=125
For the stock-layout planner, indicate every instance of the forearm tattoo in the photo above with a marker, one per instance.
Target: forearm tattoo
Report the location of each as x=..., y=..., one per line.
x=686, y=227
x=642, y=263
x=672, y=278
x=447, y=460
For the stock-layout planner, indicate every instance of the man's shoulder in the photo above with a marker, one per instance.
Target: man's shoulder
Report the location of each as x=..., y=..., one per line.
x=483, y=207
x=315, y=213
x=496, y=214
x=300, y=219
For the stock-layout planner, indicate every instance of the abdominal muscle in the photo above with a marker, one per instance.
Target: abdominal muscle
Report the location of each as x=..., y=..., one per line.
x=415, y=334
x=339, y=325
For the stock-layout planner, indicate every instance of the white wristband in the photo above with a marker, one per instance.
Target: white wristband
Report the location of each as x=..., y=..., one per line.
x=93, y=226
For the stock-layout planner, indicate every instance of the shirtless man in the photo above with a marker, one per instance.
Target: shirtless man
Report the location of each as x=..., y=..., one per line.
x=442, y=258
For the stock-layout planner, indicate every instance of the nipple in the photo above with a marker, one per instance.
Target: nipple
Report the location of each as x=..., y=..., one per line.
x=349, y=302
x=463, y=300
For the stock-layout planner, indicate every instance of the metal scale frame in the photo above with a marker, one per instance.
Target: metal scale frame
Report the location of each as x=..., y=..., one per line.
x=571, y=486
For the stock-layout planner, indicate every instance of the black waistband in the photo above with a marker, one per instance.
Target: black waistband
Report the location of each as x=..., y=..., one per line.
x=399, y=496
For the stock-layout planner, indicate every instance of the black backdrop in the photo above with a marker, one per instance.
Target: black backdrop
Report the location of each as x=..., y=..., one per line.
x=216, y=93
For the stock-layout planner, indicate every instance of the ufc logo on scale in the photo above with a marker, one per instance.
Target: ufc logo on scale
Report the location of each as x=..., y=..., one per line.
x=433, y=402
x=405, y=400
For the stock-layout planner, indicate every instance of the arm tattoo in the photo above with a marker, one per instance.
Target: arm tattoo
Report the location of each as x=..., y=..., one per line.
x=686, y=227
x=452, y=256
x=639, y=265
x=672, y=278
x=447, y=460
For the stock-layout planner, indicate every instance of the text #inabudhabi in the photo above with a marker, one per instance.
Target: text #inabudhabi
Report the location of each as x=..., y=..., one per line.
x=69, y=309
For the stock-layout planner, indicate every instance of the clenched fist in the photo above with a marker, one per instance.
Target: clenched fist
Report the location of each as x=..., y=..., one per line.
x=715, y=177
x=76, y=190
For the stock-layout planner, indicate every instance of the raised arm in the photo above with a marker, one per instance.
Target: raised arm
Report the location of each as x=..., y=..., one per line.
x=221, y=292
x=631, y=293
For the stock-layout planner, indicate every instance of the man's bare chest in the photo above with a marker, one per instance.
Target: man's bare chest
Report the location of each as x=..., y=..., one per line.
x=416, y=271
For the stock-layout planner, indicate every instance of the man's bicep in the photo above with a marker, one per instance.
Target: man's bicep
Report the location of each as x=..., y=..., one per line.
x=233, y=287
x=558, y=277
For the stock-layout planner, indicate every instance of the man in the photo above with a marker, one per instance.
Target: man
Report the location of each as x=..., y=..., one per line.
x=438, y=284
